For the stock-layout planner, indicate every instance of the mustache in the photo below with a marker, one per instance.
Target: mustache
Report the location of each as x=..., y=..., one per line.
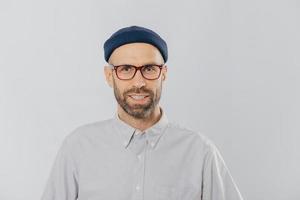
x=139, y=90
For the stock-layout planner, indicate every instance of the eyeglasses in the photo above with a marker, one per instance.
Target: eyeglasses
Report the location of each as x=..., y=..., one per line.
x=127, y=72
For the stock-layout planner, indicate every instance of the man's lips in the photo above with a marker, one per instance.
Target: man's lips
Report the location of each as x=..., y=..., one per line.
x=138, y=96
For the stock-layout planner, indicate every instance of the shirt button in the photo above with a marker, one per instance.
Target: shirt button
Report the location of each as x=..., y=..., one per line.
x=139, y=157
x=137, y=187
x=124, y=143
x=152, y=144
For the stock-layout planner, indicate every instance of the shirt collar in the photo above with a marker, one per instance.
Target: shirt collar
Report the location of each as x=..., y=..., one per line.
x=152, y=133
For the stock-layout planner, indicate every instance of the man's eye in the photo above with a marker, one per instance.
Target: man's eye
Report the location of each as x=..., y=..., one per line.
x=126, y=68
x=149, y=68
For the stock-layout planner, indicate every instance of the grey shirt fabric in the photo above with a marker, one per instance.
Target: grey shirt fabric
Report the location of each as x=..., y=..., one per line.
x=110, y=160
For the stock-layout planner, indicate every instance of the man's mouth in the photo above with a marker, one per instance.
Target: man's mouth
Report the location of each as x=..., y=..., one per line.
x=138, y=97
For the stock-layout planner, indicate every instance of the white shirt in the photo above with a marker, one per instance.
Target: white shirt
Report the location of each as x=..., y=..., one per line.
x=110, y=160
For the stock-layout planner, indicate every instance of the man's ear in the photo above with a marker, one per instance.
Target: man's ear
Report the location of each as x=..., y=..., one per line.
x=108, y=72
x=164, y=72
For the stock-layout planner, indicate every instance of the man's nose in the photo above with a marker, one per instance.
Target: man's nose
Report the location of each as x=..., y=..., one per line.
x=138, y=79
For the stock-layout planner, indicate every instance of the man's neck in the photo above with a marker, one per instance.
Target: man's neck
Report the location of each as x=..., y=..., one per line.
x=141, y=124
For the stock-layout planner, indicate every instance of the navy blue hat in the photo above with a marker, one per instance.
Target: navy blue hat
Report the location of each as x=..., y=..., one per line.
x=134, y=34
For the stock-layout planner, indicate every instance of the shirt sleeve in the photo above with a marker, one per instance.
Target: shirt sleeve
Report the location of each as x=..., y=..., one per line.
x=218, y=183
x=62, y=182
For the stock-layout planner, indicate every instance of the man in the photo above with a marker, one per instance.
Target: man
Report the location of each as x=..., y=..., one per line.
x=138, y=154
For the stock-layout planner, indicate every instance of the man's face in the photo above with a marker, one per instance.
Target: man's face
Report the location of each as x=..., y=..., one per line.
x=137, y=54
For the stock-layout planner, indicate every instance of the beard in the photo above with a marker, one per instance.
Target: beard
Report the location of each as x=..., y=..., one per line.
x=138, y=111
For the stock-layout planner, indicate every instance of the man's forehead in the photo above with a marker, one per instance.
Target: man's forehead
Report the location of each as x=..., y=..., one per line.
x=137, y=52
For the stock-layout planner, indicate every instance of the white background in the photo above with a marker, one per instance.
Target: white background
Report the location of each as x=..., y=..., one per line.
x=234, y=71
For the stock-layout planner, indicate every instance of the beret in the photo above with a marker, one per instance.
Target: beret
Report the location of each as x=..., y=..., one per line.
x=134, y=34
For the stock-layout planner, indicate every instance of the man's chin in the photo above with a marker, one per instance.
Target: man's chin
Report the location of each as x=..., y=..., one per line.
x=138, y=111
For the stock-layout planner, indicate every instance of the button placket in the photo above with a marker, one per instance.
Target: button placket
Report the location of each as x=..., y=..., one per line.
x=140, y=168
